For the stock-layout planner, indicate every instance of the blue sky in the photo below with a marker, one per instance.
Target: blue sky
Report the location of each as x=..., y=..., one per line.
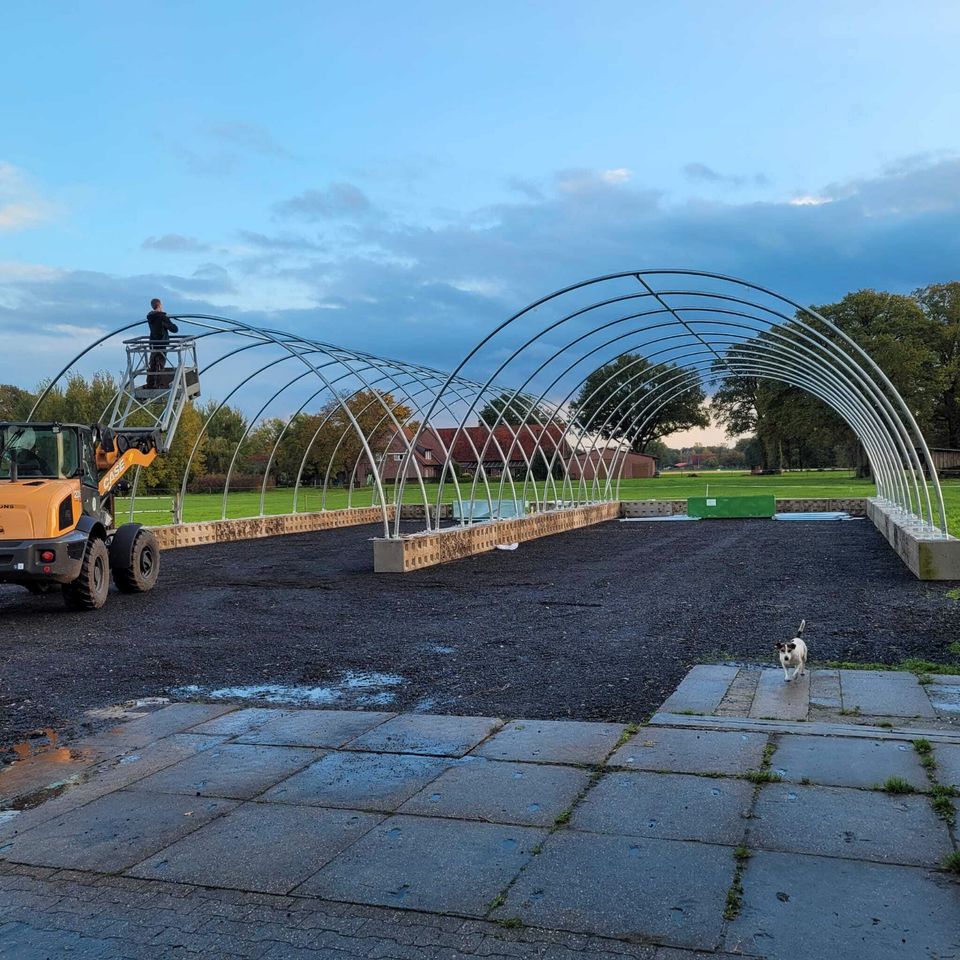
x=400, y=177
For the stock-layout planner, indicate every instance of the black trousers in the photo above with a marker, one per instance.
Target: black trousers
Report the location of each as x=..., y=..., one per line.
x=157, y=359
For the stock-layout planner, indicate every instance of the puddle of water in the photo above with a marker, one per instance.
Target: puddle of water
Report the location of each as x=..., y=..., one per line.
x=353, y=680
x=364, y=688
x=44, y=742
x=441, y=649
x=7, y=815
x=377, y=699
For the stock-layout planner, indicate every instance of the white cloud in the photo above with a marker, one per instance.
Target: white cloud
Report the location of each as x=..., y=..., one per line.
x=74, y=330
x=617, y=175
x=809, y=200
x=21, y=205
x=585, y=181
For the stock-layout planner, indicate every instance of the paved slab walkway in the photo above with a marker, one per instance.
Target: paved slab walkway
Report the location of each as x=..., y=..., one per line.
x=216, y=830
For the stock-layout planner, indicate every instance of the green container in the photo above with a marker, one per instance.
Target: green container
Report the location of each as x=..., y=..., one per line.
x=727, y=508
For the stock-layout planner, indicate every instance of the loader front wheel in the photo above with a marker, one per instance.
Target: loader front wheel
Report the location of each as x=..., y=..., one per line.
x=135, y=558
x=89, y=591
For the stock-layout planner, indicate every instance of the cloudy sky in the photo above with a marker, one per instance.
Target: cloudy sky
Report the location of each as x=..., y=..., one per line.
x=400, y=177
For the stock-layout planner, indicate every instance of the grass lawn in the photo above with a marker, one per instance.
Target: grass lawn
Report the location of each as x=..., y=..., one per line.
x=672, y=486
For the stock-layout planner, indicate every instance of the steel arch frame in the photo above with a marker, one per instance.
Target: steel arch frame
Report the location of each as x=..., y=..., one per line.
x=693, y=329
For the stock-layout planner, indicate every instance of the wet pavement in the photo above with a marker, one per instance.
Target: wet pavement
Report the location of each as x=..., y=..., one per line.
x=215, y=829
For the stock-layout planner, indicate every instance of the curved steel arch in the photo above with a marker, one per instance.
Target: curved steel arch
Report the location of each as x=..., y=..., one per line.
x=682, y=329
x=836, y=368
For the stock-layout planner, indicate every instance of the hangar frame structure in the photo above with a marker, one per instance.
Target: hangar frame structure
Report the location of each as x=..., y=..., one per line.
x=509, y=409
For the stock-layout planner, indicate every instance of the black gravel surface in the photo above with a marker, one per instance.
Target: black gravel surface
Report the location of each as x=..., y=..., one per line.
x=597, y=624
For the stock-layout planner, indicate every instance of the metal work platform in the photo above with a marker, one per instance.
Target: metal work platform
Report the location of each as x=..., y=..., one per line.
x=159, y=380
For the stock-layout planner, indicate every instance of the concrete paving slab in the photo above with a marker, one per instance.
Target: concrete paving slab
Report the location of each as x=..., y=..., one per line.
x=738, y=698
x=691, y=751
x=360, y=781
x=884, y=693
x=267, y=848
x=806, y=907
x=855, y=824
x=106, y=777
x=667, y=806
x=947, y=756
x=552, y=741
x=701, y=690
x=316, y=728
x=907, y=730
x=777, y=700
x=236, y=770
x=501, y=792
x=848, y=762
x=944, y=698
x=424, y=733
x=240, y=722
x=666, y=891
x=424, y=863
x=825, y=689
x=176, y=718
x=113, y=832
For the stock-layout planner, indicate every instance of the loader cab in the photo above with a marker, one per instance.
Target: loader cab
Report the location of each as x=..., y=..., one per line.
x=41, y=451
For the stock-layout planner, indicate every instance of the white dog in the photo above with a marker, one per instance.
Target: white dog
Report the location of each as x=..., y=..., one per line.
x=793, y=653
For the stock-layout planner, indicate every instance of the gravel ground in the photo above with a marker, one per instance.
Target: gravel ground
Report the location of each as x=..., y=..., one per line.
x=600, y=623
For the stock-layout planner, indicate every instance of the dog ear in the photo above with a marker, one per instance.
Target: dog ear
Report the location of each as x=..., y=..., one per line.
x=791, y=646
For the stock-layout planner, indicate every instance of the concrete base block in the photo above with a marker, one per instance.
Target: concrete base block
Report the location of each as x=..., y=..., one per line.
x=251, y=528
x=929, y=558
x=428, y=549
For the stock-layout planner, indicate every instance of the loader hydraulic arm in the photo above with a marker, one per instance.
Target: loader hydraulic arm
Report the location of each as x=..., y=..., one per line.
x=118, y=451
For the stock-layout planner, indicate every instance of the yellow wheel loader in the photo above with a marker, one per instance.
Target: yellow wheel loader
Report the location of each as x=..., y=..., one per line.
x=57, y=479
x=56, y=524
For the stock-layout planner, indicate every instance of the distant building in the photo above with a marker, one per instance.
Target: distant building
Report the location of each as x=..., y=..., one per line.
x=518, y=445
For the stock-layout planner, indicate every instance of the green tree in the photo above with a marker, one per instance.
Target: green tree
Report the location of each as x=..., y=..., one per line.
x=225, y=431
x=15, y=402
x=79, y=400
x=620, y=401
x=165, y=474
x=940, y=304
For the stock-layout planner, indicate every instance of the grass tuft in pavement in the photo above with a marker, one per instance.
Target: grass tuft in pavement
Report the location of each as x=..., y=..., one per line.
x=897, y=785
x=735, y=894
x=951, y=862
x=941, y=799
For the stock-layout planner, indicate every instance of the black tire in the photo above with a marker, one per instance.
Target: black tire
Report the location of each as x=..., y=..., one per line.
x=89, y=591
x=135, y=558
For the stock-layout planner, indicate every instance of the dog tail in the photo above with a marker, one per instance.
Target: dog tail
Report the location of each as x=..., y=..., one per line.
x=803, y=623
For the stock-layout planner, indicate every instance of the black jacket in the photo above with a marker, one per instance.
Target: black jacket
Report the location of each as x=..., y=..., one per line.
x=161, y=326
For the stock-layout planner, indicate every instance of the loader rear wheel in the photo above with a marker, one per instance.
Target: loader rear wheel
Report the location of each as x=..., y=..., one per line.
x=89, y=591
x=135, y=558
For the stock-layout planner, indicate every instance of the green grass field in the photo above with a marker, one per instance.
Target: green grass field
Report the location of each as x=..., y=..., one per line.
x=672, y=486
